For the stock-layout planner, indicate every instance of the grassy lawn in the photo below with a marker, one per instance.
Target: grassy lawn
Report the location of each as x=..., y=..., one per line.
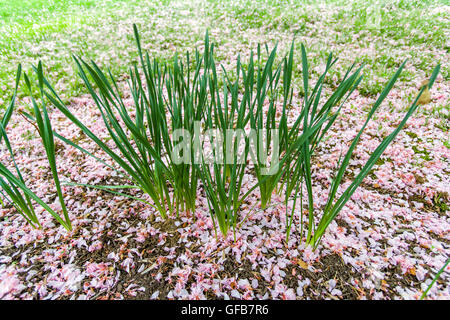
x=53, y=30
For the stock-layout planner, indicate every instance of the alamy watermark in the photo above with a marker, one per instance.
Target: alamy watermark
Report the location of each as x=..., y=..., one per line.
x=259, y=147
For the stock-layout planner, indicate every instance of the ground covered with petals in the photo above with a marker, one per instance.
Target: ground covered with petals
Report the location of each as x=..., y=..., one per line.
x=387, y=243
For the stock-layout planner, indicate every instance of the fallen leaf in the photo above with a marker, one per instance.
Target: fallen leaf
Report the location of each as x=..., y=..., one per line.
x=302, y=264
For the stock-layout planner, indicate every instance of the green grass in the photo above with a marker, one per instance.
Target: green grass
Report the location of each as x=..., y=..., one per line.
x=52, y=30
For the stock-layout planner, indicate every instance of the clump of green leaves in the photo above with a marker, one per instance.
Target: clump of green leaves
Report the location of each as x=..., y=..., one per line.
x=164, y=100
x=13, y=186
x=335, y=203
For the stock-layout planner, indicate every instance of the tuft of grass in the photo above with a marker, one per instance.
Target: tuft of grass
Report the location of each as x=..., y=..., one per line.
x=335, y=204
x=165, y=99
x=13, y=187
